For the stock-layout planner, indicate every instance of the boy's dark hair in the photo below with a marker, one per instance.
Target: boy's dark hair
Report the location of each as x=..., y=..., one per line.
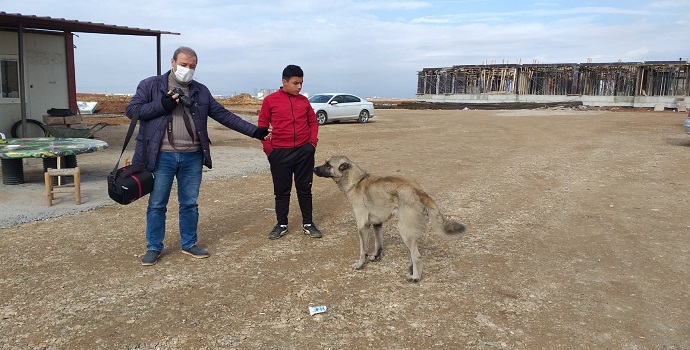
x=292, y=71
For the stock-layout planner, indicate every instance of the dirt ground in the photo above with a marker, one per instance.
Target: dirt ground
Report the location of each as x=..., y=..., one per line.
x=578, y=238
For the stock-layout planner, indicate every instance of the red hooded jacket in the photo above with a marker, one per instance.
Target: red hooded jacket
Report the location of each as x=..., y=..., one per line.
x=292, y=118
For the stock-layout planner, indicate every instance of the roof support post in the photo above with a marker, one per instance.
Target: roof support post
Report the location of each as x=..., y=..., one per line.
x=158, y=51
x=22, y=85
x=71, y=75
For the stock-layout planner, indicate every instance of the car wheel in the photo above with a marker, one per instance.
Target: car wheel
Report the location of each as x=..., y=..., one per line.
x=363, y=116
x=321, y=117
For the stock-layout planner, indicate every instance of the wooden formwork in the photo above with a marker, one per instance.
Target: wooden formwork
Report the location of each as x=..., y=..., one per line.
x=609, y=79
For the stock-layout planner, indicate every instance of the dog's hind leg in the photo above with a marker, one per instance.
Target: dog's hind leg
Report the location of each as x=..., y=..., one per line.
x=415, y=259
x=411, y=223
x=378, y=243
x=363, y=239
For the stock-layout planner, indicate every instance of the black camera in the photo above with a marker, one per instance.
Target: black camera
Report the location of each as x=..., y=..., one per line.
x=184, y=99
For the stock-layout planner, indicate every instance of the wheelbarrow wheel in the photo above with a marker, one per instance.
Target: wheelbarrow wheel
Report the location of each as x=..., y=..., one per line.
x=34, y=128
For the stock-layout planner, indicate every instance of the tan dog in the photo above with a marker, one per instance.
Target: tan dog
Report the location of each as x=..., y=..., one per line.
x=376, y=199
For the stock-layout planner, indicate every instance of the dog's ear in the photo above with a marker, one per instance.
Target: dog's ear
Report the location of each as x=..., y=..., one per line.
x=344, y=166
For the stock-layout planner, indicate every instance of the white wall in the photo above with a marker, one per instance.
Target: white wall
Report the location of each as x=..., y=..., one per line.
x=45, y=76
x=598, y=101
x=9, y=107
x=45, y=73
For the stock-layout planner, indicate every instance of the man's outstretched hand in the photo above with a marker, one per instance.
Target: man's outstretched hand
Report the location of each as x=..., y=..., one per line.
x=261, y=133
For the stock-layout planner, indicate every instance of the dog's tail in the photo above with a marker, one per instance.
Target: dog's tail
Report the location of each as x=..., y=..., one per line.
x=439, y=221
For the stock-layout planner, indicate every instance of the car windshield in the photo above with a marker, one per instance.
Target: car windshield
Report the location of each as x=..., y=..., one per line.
x=320, y=98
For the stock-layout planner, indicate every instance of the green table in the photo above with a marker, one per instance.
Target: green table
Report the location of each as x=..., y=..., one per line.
x=12, y=151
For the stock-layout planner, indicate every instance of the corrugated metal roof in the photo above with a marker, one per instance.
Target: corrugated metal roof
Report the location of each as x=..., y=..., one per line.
x=16, y=20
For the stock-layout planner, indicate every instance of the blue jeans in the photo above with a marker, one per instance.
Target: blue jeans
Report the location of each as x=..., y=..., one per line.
x=186, y=167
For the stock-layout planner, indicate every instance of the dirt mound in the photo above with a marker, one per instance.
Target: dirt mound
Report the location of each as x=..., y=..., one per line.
x=116, y=104
x=107, y=103
x=241, y=99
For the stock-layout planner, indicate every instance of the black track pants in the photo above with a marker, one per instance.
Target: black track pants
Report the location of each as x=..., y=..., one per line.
x=284, y=163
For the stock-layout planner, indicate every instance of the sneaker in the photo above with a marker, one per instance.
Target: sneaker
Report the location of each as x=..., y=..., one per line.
x=278, y=231
x=311, y=230
x=150, y=257
x=196, y=252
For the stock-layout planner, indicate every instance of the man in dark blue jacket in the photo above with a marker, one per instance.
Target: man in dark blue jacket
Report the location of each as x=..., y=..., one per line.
x=173, y=143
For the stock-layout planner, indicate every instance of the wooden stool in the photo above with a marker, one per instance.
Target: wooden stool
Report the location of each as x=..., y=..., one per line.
x=51, y=190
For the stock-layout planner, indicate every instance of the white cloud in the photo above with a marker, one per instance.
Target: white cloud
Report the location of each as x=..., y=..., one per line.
x=667, y=4
x=392, y=5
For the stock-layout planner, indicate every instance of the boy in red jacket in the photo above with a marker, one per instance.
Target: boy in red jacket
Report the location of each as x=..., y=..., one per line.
x=290, y=149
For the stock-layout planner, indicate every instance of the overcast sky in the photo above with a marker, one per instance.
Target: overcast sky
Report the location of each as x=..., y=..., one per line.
x=369, y=48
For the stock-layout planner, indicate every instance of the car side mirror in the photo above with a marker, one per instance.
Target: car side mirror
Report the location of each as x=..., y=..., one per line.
x=333, y=103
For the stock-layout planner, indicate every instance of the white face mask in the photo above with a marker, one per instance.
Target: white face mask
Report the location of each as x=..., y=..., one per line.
x=184, y=74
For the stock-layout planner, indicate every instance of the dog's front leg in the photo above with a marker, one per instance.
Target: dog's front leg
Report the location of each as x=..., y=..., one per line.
x=363, y=239
x=378, y=243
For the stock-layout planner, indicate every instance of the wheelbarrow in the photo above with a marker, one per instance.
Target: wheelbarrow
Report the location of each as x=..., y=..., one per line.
x=65, y=132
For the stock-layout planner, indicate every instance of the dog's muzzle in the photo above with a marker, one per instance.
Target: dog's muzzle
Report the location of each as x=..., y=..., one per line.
x=320, y=172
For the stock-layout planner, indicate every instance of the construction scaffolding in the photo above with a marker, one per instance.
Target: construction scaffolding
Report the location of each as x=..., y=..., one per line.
x=618, y=79
x=650, y=78
x=664, y=80
x=543, y=79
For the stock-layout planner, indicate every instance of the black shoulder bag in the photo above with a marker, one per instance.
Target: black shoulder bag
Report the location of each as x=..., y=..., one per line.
x=131, y=182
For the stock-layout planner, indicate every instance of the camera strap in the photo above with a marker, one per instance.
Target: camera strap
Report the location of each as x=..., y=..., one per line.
x=187, y=124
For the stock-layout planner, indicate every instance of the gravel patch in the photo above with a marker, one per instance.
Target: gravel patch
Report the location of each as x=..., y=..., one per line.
x=26, y=202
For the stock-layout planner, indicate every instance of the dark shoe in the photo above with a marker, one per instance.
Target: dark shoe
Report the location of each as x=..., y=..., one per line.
x=312, y=231
x=196, y=252
x=278, y=231
x=150, y=257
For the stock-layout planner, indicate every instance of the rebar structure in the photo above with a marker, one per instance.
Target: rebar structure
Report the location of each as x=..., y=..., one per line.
x=650, y=78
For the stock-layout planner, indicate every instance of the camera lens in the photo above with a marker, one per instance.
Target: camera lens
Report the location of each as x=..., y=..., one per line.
x=186, y=101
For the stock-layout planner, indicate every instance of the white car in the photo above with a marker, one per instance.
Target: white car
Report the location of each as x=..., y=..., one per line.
x=686, y=125
x=334, y=107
